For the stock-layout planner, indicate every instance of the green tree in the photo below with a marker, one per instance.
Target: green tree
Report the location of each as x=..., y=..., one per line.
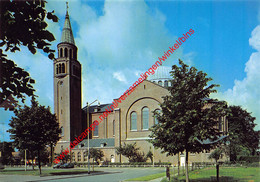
x=23, y=23
x=150, y=155
x=131, y=152
x=95, y=154
x=6, y=149
x=187, y=114
x=34, y=128
x=242, y=134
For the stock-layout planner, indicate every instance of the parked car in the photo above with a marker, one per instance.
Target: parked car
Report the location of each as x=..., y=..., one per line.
x=68, y=165
x=57, y=165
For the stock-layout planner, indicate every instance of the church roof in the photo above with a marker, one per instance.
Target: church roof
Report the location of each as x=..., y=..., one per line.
x=97, y=142
x=67, y=35
x=162, y=72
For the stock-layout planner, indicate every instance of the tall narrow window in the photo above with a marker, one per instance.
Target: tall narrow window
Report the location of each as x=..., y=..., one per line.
x=66, y=52
x=75, y=54
x=114, y=127
x=95, y=133
x=59, y=68
x=145, y=118
x=165, y=83
x=61, y=52
x=220, y=124
x=62, y=131
x=79, y=156
x=63, y=68
x=133, y=119
x=160, y=82
x=85, y=156
x=155, y=119
x=70, y=53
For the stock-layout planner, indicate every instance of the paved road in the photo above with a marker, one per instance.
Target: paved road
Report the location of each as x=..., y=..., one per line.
x=108, y=175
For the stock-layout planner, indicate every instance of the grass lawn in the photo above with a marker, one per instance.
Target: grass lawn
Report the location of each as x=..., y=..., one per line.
x=249, y=174
x=149, y=177
x=45, y=172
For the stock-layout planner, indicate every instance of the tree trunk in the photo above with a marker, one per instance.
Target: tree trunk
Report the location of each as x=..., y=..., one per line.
x=178, y=164
x=217, y=168
x=51, y=156
x=39, y=162
x=32, y=160
x=186, y=166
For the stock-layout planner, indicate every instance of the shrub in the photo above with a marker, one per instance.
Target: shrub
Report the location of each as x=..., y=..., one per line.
x=249, y=159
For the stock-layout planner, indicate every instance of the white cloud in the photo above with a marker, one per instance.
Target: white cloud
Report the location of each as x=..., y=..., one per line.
x=128, y=37
x=119, y=76
x=246, y=92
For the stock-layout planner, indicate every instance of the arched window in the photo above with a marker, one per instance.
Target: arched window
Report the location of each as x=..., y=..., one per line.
x=59, y=68
x=66, y=52
x=63, y=68
x=62, y=131
x=70, y=53
x=166, y=83
x=160, y=82
x=85, y=156
x=155, y=119
x=61, y=52
x=133, y=119
x=145, y=118
x=95, y=133
x=75, y=54
x=79, y=156
x=73, y=157
x=114, y=127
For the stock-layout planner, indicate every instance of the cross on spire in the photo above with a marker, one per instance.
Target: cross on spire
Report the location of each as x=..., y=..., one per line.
x=67, y=7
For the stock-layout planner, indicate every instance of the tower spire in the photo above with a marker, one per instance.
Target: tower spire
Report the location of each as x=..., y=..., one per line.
x=67, y=35
x=67, y=8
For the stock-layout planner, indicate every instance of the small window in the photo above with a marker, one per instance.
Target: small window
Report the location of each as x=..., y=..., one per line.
x=95, y=133
x=79, y=156
x=160, y=83
x=166, y=83
x=70, y=54
x=220, y=124
x=133, y=119
x=66, y=52
x=61, y=111
x=61, y=51
x=75, y=54
x=85, y=156
x=145, y=118
x=59, y=68
x=62, y=131
x=63, y=68
x=114, y=128
x=155, y=119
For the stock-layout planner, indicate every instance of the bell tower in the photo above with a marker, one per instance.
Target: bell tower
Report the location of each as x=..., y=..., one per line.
x=67, y=87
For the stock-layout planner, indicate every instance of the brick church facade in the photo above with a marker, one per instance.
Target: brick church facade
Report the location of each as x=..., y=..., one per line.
x=128, y=123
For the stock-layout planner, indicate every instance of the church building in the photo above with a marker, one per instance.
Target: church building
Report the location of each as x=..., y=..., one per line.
x=128, y=123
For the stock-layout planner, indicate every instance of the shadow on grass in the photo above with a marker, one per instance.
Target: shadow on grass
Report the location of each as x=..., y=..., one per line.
x=214, y=179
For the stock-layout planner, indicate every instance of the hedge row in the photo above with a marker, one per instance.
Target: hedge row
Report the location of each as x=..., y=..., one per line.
x=249, y=159
x=127, y=163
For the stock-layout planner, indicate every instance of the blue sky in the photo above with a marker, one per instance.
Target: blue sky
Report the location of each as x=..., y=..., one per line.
x=117, y=40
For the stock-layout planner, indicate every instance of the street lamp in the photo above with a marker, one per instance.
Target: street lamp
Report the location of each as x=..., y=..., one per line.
x=88, y=127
